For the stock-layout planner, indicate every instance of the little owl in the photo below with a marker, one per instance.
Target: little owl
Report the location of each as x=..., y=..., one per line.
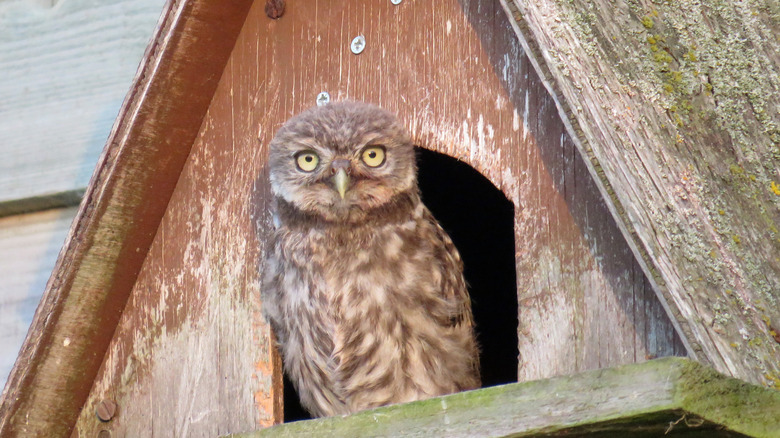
x=362, y=287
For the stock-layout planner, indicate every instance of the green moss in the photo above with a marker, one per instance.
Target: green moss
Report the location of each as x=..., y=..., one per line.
x=647, y=22
x=653, y=395
x=745, y=408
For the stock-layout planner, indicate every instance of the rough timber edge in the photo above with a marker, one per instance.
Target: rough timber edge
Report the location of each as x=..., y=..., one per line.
x=118, y=218
x=614, y=205
x=669, y=393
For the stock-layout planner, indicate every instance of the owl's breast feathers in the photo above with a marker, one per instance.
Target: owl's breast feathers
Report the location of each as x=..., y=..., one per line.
x=373, y=313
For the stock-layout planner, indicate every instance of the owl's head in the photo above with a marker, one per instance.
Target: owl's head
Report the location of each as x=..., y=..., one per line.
x=342, y=160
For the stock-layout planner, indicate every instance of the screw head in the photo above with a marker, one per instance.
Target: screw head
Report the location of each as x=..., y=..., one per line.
x=274, y=8
x=358, y=44
x=105, y=410
x=323, y=98
x=395, y=2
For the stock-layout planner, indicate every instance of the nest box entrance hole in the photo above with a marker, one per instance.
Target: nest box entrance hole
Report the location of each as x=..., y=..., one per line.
x=480, y=221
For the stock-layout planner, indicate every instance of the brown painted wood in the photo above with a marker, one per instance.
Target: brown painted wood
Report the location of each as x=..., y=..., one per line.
x=112, y=232
x=192, y=355
x=674, y=105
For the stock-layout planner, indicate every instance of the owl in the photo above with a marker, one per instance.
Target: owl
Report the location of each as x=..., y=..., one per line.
x=361, y=285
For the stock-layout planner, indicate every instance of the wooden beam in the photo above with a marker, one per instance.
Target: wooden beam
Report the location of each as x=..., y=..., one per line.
x=649, y=399
x=124, y=204
x=670, y=104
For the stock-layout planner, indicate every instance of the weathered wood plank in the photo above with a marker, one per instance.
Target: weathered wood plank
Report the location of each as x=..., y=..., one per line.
x=673, y=105
x=113, y=230
x=66, y=66
x=185, y=329
x=29, y=245
x=670, y=395
x=44, y=201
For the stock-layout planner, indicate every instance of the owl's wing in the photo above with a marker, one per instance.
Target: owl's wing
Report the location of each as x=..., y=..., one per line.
x=452, y=284
x=453, y=288
x=270, y=292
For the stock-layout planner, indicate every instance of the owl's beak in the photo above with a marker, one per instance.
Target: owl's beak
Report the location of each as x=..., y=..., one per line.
x=341, y=181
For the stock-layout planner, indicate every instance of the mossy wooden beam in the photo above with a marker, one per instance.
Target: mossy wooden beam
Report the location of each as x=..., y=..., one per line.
x=673, y=107
x=670, y=395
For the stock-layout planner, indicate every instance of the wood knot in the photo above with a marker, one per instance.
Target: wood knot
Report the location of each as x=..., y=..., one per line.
x=274, y=8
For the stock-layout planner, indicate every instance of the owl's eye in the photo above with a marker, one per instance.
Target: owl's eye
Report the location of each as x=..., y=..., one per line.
x=306, y=160
x=374, y=156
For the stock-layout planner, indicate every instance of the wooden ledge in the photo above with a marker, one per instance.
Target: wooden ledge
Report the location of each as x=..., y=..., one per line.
x=673, y=396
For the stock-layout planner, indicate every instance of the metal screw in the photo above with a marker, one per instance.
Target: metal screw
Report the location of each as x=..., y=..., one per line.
x=106, y=410
x=358, y=44
x=323, y=98
x=395, y=2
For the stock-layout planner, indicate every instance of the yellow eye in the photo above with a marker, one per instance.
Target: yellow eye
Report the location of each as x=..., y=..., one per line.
x=374, y=156
x=307, y=160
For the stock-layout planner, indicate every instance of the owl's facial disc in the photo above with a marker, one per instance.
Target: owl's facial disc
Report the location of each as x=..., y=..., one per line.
x=342, y=161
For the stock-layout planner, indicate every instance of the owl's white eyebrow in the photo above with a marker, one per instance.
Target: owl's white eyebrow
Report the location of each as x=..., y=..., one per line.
x=371, y=138
x=308, y=144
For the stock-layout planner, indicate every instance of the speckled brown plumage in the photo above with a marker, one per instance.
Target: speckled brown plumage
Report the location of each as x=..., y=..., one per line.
x=364, y=291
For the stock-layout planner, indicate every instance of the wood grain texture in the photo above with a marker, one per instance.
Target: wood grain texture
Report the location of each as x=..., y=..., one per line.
x=583, y=301
x=111, y=234
x=29, y=245
x=191, y=352
x=672, y=396
x=66, y=66
x=672, y=104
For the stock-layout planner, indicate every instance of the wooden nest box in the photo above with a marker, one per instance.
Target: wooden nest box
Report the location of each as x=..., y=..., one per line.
x=626, y=218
